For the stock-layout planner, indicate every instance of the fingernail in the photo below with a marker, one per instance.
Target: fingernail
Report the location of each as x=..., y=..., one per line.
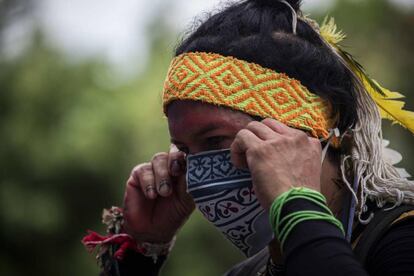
x=151, y=192
x=173, y=148
x=164, y=188
x=175, y=168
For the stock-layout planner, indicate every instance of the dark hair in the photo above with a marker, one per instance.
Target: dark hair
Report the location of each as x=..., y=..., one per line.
x=260, y=31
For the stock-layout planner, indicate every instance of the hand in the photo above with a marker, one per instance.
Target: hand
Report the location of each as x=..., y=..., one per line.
x=156, y=203
x=279, y=158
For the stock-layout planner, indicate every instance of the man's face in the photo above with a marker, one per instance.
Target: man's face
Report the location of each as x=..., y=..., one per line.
x=196, y=126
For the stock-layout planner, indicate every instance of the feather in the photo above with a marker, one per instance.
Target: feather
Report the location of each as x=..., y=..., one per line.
x=390, y=155
x=330, y=32
x=403, y=173
x=388, y=102
x=393, y=157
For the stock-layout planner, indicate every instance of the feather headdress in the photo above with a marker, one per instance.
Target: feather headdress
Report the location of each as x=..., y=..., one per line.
x=388, y=102
x=374, y=176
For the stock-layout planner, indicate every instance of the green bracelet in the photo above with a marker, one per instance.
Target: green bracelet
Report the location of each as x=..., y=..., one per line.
x=283, y=227
x=301, y=216
x=294, y=193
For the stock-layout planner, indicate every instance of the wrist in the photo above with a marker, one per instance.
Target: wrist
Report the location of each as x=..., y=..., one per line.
x=118, y=241
x=155, y=250
x=149, y=238
x=283, y=224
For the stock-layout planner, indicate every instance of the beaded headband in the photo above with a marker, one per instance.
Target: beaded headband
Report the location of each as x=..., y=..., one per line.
x=247, y=87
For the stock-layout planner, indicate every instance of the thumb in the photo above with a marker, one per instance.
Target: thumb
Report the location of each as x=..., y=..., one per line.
x=176, y=161
x=181, y=185
x=182, y=194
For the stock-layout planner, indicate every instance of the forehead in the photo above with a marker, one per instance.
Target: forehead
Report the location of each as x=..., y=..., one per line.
x=189, y=117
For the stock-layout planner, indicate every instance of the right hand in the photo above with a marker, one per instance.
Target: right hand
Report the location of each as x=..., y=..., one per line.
x=156, y=202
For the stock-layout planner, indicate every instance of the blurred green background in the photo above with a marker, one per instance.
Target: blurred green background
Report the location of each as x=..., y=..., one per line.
x=71, y=129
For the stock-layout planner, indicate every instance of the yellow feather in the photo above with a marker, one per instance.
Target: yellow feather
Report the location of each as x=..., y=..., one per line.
x=392, y=109
x=387, y=101
x=330, y=32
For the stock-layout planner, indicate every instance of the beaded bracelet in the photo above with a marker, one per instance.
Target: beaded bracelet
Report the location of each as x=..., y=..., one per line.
x=283, y=227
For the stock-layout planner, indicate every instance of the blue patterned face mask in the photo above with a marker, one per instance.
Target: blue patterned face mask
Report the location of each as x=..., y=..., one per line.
x=225, y=196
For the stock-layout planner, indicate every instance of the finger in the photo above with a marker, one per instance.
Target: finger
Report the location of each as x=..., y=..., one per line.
x=261, y=130
x=244, y=140
x=161, y=173
x=277, y=126
x=134, y=206
x=316, y=143
x=144, y=175
x=132, y=196
x=176, y=161
x=177, y=165
x=180, y=187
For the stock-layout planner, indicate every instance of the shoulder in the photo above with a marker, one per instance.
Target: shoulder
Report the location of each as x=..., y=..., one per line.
x=393, y=252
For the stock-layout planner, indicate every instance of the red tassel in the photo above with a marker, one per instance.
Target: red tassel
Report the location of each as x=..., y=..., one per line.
x=125, y=242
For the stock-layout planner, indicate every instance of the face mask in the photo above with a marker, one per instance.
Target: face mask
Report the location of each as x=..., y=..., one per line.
x=225, y=196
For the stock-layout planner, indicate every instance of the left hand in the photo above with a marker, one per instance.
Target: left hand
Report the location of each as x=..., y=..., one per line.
x=279, y=158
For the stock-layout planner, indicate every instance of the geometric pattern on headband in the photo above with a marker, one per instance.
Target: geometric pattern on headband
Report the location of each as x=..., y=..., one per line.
x=247, y=87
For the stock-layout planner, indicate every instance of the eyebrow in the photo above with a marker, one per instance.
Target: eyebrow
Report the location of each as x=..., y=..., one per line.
x=201, y=132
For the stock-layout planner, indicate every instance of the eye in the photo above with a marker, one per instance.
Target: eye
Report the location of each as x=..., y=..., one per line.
x=183, y=149
x=215, y=142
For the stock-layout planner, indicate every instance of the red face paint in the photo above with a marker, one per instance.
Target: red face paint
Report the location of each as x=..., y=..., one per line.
x=196, y=126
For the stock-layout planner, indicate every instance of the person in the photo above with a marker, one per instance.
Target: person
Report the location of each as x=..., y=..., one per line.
x=267, y=83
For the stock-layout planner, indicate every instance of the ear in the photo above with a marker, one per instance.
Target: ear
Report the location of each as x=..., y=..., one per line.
x=347, y=143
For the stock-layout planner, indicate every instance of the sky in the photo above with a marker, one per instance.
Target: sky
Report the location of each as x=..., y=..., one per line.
x=116, y=30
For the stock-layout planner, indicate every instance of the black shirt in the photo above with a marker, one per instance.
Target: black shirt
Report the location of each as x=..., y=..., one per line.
x=317, y=248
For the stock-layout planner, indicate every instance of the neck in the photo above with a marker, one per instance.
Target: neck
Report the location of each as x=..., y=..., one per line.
x=332, y=186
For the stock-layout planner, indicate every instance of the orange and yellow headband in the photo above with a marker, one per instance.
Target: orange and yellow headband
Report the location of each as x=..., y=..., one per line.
x=247, y=87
